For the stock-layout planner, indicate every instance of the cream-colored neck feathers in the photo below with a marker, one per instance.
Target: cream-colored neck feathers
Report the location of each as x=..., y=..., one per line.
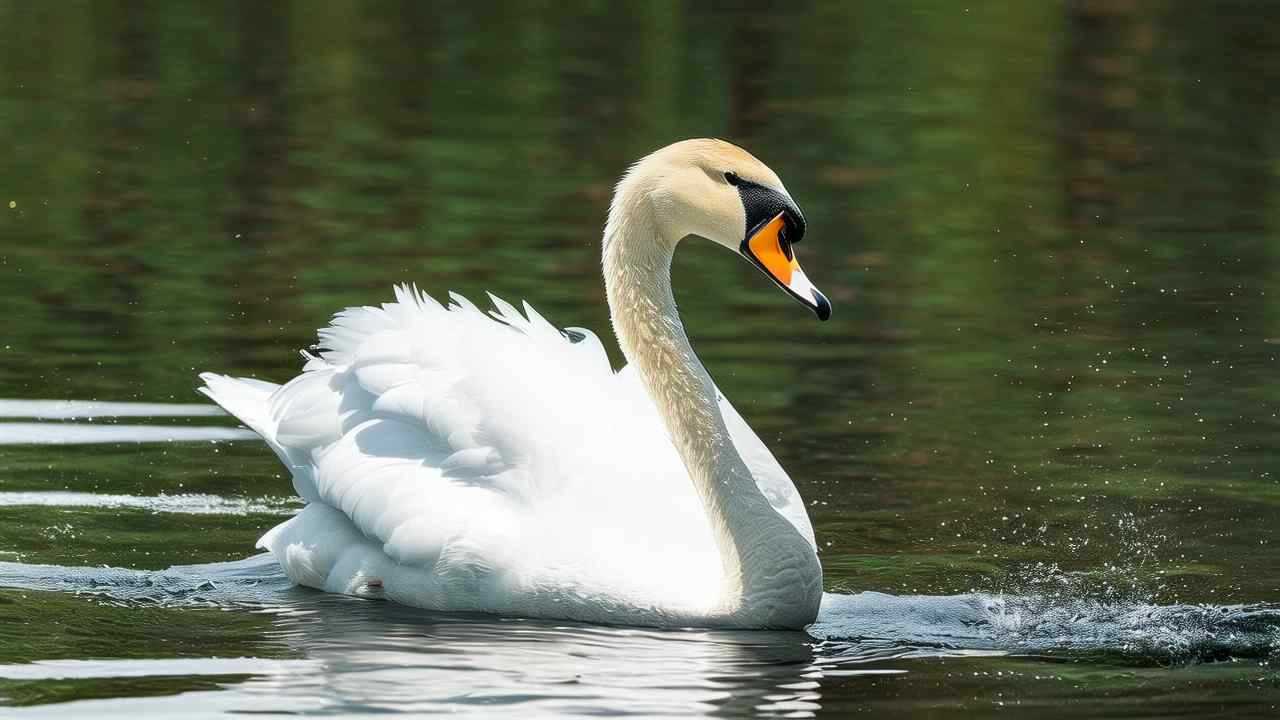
x=772, y=575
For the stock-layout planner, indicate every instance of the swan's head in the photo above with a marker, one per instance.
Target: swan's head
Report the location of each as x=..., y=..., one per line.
x=718, y=191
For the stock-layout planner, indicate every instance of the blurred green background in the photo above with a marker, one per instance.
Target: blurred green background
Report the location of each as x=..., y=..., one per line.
x=1049, y=231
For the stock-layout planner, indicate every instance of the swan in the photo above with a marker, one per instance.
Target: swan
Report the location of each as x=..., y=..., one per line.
x=459, y=460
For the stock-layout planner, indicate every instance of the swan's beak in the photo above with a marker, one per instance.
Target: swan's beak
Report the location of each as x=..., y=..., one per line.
x=768, y=248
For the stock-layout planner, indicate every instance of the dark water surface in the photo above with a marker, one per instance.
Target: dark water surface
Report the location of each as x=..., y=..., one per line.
x=1043, y=417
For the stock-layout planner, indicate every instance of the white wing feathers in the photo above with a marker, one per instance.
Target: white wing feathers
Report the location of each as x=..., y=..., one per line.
x=477, y=449
x=428, y=425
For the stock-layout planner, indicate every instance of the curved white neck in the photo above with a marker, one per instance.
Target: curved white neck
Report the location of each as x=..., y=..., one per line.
x=772, y=575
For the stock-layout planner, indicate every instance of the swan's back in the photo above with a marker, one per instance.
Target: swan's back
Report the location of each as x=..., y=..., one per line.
x=458, y=460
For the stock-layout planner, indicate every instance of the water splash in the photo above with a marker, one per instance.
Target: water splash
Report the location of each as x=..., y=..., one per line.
x=876, y=625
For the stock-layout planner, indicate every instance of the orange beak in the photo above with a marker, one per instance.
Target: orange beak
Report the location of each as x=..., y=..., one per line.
x=768, y=249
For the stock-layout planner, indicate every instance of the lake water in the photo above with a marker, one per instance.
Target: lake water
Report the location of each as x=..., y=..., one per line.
x=1037, y=438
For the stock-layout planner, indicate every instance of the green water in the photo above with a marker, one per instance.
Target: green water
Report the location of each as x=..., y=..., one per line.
x=1050, y=232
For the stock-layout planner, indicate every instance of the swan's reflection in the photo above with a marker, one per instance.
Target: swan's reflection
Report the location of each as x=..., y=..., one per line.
x=371, y=656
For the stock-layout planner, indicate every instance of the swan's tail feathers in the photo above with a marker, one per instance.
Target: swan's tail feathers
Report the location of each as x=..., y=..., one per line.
x=249, y=400
x=245, y=398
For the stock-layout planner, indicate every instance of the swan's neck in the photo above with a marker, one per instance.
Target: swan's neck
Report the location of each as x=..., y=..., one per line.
x=772, y=575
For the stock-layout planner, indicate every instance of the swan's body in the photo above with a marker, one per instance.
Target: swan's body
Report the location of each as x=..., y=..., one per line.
x=455, y=460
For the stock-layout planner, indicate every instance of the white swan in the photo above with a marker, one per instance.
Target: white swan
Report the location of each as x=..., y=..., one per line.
x=460, y=461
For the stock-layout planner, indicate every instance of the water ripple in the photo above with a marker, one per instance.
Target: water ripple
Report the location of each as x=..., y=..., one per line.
x=88, y=409
x=60, y=433
x=186, y=503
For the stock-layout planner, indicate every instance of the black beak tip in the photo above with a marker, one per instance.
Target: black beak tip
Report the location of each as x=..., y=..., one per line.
x=822, y=306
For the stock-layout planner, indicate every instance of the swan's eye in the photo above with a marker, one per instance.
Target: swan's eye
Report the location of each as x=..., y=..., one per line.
x=731, y=177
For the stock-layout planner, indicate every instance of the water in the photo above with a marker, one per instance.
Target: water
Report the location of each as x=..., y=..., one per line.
x=1040, y=424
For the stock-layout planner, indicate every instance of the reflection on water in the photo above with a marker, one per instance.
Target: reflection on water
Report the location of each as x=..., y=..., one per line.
x=1049, y=230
